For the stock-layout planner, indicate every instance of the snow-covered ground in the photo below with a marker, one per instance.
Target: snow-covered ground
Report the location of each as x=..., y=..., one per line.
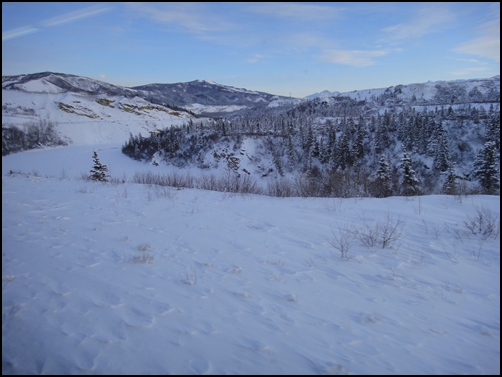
x=81, y=119
x=101, y=278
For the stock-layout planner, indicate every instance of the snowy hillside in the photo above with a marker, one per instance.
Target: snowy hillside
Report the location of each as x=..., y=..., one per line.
x=206, y=93
x=336, y=143
x=87, y=118
x=49, y=82
x=464, y=91
x=126, y=278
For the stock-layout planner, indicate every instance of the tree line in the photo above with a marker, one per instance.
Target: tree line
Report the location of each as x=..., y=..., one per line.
x=429, y=145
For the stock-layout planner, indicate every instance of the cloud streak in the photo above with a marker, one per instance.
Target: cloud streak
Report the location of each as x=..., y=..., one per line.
x=355, y=58
x=19, y=32
x=467, y=71
x=296, y=11
x=190, y=17
x=487, y=44
x=63, y=19
x=428, y=20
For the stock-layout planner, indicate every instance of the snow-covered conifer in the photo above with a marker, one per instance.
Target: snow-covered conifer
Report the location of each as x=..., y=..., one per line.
x=485, y=169
x=100, y=171
x=381, y=183
x=410, y=183
x=450, y=185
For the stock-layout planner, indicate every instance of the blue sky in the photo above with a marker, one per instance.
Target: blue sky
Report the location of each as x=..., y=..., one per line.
x=281, y=48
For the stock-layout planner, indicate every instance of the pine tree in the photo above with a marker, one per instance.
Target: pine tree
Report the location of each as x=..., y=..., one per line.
x=345, y=159
x=485, y=169
x=291, y=153
x=100, y=171
x=358, y=148
x=381, y=182
x=450, y=186
x=493, y=129
x=410, y=183
x=442, y=158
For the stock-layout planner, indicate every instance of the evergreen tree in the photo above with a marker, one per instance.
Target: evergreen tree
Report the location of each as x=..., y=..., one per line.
x=358, y=148
x=485, y=169
x=450, y=186
x=291, y=153
x=381, y=183
x=493, y=128
x=344, y=157
x=100, y=171
x=442, y=159
x=410, y=184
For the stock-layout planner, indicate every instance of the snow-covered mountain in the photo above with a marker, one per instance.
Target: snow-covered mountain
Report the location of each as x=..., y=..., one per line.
x=204, y=96
x=430, y=92
x=85, y=110
x=199, y=96
x=49, y=82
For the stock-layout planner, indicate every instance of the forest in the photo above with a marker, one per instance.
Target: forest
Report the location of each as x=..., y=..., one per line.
x=342, y=147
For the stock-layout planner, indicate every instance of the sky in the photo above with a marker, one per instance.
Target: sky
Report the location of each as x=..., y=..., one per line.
x=291, y=49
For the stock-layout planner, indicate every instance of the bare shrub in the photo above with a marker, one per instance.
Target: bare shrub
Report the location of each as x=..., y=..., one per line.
x=145, y=246
x=115, y=181
x=85, y=189
x=63, y=174
x=190, y=276
x=280, y=188
x=145, y=178
x=383, y=233
x=164, y=192
x=342, y=241
x=333, y=204
x=142, y=258
x=308, y=187
x=208, y=182
x=483, y=224
x=85, y=176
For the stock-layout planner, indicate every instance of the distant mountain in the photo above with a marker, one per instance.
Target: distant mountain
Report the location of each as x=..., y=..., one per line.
x=200, y=96
x=50, y=82
x=323, y=94
x=428, y=93
x=82, y=110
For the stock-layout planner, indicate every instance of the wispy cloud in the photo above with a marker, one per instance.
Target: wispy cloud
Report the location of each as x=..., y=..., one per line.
x=256, y=58
x=427, y=20
x=296, y=11
x=466, y=71
x=487, y=44
x=76, y=15
x=19, y=32
x=65, y=18
x=354, y=58
x=191, y=17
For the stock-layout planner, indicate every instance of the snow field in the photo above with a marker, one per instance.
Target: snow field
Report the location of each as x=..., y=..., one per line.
x=128, y=278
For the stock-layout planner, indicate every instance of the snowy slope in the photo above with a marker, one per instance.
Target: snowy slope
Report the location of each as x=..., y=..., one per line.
x=421, y=91
x=137, y=279
x=88, y=118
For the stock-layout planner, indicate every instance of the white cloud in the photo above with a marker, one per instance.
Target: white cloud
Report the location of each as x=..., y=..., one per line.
x=65, y=18
x=18, y=32
x=466, y=71
x=487, y=44
x=427, y=20
x=256, y=57
x=354, y=58
x=76, y=15
x=193, y=17
x=297, y=11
